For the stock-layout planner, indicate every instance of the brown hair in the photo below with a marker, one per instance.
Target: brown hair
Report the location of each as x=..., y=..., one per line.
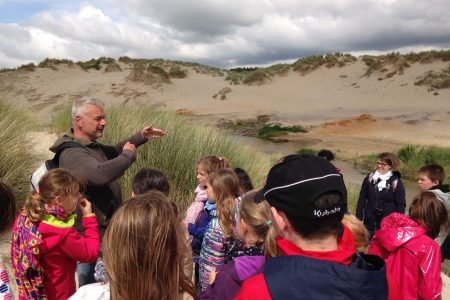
x=427, y=210
x=434, y=172
x=213, y=163
x=257, y=217
x=226, y=188
x=359, y=232
x=150, y=265
x=7, y=207
x=56, y=182
x=391, y=159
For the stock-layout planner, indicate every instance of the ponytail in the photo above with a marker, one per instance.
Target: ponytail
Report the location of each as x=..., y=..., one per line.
x=257, y=217
x=34, y=207
x=270, y=246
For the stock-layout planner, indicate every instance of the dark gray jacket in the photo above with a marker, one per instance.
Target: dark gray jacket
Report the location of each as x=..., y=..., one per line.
x=101, y=166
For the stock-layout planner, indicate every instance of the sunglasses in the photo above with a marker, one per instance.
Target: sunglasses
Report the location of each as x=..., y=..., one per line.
x=379, y=163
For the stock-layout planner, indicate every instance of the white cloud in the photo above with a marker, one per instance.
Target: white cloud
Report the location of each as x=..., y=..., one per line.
x=224, y=33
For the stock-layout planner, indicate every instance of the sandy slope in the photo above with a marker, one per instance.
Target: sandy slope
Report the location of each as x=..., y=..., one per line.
x=401, y=112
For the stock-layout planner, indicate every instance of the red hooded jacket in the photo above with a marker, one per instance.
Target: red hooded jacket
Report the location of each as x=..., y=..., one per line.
x=63, y=246
x=256, y=287
x=413, y=258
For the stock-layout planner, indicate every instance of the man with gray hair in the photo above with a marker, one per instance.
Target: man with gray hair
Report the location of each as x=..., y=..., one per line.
x=100, y=165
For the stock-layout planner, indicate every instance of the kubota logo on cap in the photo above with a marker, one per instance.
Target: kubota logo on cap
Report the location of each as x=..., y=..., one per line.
x=323, y=213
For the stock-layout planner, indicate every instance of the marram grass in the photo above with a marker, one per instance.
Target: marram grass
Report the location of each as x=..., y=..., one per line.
x=17, y=159
x=175, y=154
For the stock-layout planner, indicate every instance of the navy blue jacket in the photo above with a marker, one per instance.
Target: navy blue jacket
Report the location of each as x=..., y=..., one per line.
x=198, y=230
x=300, y=277
x=374, y=205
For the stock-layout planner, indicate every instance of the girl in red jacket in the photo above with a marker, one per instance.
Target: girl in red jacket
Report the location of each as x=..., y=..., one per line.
x=45, y=244
x=406, y=244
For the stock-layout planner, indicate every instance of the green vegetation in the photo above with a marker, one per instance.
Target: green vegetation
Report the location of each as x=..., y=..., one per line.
x=90, y=64
x=437, y=80
x=352, y=197
x=17, y=158
x=307, y=151
x=254, y=75
x=275, y=130
x=412, y=157
x=157, y=70
x=177, y=72
x=313, y=62
x=428, y=56
x=52, y=63
x=177, y=153
x=390, y=64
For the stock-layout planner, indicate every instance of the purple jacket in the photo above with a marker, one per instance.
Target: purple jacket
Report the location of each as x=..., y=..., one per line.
x=230, y=277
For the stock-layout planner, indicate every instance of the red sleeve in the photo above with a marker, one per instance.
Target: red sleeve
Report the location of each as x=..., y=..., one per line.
x=83, y=248
x=254, y=288
x=430, y=281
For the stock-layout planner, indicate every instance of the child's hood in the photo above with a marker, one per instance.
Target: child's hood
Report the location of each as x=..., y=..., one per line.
x=396, y=230
x=54, y=230
x=443, y=195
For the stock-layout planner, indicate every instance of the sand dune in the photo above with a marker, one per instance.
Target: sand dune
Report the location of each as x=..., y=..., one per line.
x=327, y=100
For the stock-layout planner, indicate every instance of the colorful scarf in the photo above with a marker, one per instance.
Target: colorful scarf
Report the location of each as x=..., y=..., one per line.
x=25, y=254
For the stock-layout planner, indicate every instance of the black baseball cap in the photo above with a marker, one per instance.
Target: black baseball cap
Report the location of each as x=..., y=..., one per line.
x=294, y=184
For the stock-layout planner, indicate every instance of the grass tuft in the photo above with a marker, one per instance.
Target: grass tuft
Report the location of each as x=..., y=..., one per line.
x=17, y=159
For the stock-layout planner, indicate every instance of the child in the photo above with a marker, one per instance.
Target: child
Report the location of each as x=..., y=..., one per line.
x=431, y=178
x=255, y=229
x=45, y=244
x=223, y=189
x=198, y=214
x=406, y=244
x=382, y=193
x=7, y=214
x=149, y=267
x=244, y=180
x=359, y=232
x=328, y=155
x=148, y=179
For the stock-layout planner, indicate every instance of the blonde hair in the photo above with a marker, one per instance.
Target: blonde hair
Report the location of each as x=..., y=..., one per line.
x=359, y=232
x=213, y=163
x=144, y=250
x=226, y=188
x=257, y=217
x=56, y=182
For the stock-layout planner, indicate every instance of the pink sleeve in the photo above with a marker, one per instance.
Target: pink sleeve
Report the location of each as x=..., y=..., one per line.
x=193, y=212
x=83, y=248
x=430, y=281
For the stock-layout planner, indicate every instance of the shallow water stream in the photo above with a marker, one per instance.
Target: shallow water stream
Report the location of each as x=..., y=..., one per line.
x=351, y=174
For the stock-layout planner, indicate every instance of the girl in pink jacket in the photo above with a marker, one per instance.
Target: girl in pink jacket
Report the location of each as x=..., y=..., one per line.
x=45, y=245
x=407, y=245
x=205, y=166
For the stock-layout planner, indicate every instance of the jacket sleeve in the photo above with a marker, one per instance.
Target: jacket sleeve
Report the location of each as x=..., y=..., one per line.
x=430, y=281
x=193, y=211
x=137, y=139
x=223, y=287
x=83, y=248
x=400, y=198
x=96, y=173
x=363, y=196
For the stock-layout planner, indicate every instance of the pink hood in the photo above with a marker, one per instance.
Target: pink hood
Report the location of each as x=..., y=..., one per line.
x=397, y=229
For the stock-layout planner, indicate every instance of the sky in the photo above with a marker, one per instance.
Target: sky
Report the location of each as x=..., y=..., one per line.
x=222, y=33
